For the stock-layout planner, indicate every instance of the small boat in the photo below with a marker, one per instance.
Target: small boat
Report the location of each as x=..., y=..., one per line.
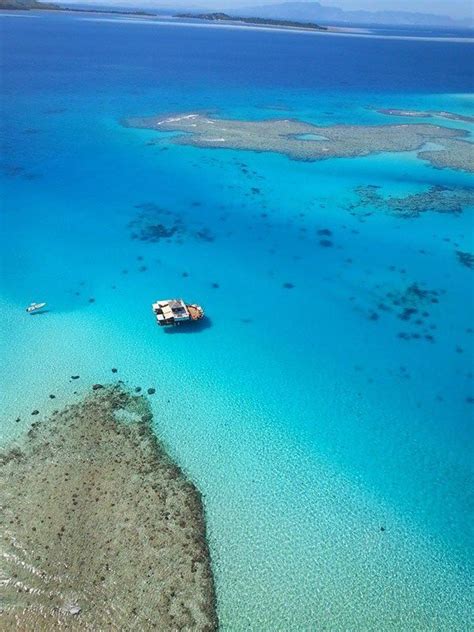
x=35, y=307
x=175, y=311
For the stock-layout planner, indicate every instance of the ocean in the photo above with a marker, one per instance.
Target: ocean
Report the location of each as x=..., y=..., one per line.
x=333, y=447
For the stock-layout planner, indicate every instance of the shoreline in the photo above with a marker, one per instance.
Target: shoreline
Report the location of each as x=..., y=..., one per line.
x=101, y=526
x=222, y=18
x=170, y=20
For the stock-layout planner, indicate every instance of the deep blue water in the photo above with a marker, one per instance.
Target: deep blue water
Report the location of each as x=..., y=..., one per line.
x=231, y=57
x=305, y=435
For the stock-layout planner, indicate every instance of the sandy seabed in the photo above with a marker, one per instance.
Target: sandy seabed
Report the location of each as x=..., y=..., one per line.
x=101, y=530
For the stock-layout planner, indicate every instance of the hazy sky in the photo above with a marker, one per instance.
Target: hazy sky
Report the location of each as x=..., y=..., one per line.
x=455, y=8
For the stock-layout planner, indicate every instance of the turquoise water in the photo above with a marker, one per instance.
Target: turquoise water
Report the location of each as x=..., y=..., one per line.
x=334, y=458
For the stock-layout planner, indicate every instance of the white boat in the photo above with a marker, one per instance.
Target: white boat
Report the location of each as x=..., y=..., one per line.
x=35, y=307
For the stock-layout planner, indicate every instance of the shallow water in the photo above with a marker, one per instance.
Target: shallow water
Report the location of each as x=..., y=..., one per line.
x=95, y=517
x=334, y=457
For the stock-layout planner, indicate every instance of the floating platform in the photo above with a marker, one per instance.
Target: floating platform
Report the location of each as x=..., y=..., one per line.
x=175, y=311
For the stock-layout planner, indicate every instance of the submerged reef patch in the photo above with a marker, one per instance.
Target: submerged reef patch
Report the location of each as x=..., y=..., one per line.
x=436, y=199
x=17, y=171
x=304, y=141
x=465, y=259
x=450, y=116
x=100, y=529
x=411, y=305
x=153, y=224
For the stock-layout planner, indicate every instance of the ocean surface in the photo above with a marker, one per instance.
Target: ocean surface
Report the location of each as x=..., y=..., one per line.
x=334, y=456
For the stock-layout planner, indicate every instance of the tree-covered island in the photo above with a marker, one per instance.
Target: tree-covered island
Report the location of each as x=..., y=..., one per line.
x=224, y=17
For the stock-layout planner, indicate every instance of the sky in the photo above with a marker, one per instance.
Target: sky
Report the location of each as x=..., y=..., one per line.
x=453, y=8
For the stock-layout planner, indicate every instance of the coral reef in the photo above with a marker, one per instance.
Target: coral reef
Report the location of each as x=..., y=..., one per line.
x=450, y=116
x=436, y=199
x=101, y=530
x=304, y=141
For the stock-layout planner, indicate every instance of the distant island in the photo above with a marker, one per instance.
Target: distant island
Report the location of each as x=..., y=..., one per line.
x=304, y=11
x=224, y=17
x=29, y=5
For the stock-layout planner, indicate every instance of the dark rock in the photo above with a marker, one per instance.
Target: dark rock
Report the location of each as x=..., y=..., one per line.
x=35, y=412
x=114, y=370
x=97, y=387
x=151, y=391
x=75, y=377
